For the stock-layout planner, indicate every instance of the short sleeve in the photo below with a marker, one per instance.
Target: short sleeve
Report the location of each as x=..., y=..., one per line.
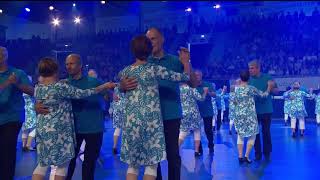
x=23, y=77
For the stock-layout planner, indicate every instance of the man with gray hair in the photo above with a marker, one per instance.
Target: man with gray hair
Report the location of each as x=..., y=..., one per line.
x=169, y=99
x=13, y=83
x=264, y=109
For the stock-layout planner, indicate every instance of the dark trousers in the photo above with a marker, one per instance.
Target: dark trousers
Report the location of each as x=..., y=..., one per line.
x=208, y=130
x=219, y=119
x=226, y=114
x=8, y=144
x=91, y=154
x=209, y=133
x=171, y=134
x=265, y=121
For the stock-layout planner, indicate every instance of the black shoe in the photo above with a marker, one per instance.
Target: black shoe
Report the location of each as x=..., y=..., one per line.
x=211, y=150
x=200, y=149
x=301, y=134
x=230, y=132
x=31, y=149
x=247, y=160
x=258, y=157
x=114, y=151
x=293, y=135
x=197, y=154
x=267, y=157
x=25, y=149
x=241, y=160
x=318, y=124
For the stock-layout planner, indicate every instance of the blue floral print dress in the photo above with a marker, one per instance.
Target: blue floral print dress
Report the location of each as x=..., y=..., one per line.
x=297, y=108
x=55, y=132
x=30, y=113
x=246, y=121
x=117, y=107
x=191, y=116
x=143, y=141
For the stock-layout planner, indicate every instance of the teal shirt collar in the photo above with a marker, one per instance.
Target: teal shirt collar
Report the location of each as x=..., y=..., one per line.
x=82, y=77
x=8, y=71
x=157, y=58
x=258, y=76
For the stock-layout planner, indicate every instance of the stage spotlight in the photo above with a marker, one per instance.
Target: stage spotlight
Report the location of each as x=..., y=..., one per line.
x=188, y=10
x=74, y=4
x=27, y=9
x=202, y=36
x=77, y=20
x=103, y=2
x=51, y=8
x=217, y=6
x=56, y=22
x=1, y=11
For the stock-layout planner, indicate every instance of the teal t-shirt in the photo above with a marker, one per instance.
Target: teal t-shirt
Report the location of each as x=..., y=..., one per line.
x=169, y=91
x=205, y=107
x=263, y=105
x=11, y=99
x=88, y=112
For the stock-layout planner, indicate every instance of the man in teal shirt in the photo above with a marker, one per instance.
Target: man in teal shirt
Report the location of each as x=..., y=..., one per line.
x=264, y=109
x=169, y=100
x=13, y=83
x=206, y=110
x=88, y=117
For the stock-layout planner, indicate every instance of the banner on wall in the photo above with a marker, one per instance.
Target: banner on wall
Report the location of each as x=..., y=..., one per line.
x=306, y=82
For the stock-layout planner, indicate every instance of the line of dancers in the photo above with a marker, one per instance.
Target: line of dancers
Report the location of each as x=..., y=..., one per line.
x=242, y=113
x=149, y=135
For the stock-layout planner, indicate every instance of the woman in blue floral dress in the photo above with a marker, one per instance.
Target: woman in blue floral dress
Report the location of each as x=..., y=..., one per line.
x=222, y=96
x=286, y=105
x=317, y=108
x=246, y=122
x=191, y=116
x=117, y=111
x=232, y=115
x=297, y=108
x=55, y=134
x=214, y=107
x=143, y=142
x=28, y=131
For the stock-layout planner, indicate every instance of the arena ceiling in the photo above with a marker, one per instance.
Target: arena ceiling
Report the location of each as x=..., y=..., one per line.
x=39, y=11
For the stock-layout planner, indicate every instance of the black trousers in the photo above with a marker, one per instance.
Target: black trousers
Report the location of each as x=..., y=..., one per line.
x=171, y=133
x=209, y=132
x=9, y=134
x=219, y=119
x=265, y=121
x=91, y=154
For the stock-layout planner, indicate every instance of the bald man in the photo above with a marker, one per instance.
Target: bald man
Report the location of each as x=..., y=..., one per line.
x=88, y=117
x=13, y=83
x=92, y=73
